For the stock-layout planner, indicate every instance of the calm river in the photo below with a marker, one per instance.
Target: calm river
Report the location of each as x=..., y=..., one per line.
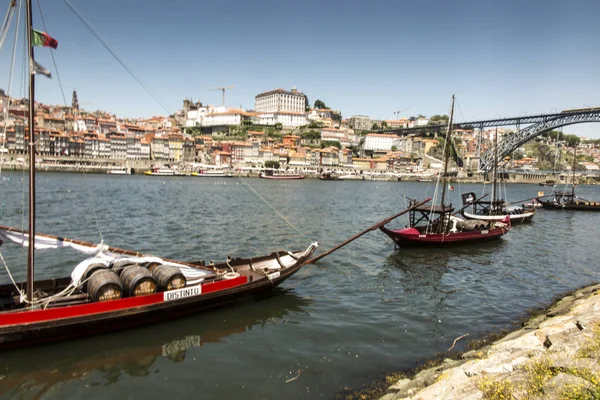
x=364, y=310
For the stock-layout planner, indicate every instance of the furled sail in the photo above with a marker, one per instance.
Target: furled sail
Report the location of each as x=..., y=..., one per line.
x=43, y=242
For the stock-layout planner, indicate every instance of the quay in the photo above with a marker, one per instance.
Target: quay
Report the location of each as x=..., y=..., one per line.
x=140, y=166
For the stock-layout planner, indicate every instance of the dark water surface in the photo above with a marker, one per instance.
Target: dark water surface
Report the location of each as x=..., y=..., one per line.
x=364, y=310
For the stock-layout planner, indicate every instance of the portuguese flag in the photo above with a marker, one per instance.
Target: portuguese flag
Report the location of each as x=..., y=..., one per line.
x=43, y=39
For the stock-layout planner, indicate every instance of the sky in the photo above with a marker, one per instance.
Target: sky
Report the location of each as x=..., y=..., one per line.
x=500, y=58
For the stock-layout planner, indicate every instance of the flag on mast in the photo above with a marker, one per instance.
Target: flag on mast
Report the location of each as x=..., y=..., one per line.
x=37, y=68
x=43, y=39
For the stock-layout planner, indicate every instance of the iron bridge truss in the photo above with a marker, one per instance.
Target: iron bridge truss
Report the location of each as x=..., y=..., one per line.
x=539, y=124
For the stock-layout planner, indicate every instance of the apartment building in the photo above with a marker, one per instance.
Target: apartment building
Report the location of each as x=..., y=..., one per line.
x=280, y=100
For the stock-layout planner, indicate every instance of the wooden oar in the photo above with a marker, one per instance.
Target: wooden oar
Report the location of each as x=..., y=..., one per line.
x=372, y=228
x=536, y=197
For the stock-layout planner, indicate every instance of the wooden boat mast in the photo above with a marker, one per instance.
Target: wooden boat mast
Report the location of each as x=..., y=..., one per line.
x=30, y=124
x=447, y=153
x=574, y=163
x=495, y=180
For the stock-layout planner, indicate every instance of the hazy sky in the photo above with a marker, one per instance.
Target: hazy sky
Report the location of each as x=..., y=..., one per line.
x=500, y=58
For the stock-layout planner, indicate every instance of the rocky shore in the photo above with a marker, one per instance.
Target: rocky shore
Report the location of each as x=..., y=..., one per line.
x=555, y=355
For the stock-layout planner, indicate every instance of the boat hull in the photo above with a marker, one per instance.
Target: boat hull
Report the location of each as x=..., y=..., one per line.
x=281, y=177
x=514, y=218
x=33, y=327
x=576, y=206
x=212, y=175
x=410, y=238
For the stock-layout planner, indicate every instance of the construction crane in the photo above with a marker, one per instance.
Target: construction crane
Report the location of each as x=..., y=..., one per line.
x=397, y=113
x=223, y=89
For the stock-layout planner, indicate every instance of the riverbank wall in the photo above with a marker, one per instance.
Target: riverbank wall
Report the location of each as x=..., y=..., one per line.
x=555, y=355
x=140, y=166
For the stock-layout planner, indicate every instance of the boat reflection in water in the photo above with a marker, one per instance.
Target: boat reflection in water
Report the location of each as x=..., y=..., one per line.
x=31, y=373
x=421, y=268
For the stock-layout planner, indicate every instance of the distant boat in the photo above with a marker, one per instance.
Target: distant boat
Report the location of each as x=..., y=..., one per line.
x=213, y=173
x=495, y=208
x=568, y=200
x=549, y=182
x=163, y=172
x=424, y=180
x=270, y=174
x=329, y=176
x=119, y=171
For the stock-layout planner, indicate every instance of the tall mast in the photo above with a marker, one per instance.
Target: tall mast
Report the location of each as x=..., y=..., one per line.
x=30, y=256
x=495, y=180
x=447, y=155
x=574, y=161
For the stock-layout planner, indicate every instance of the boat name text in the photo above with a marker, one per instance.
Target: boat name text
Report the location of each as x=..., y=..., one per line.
x=182, y=293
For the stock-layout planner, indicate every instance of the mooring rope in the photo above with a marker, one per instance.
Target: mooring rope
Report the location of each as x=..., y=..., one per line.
x=254, y=192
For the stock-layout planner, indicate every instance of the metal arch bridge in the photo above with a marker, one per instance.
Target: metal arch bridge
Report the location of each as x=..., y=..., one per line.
x=539, y=124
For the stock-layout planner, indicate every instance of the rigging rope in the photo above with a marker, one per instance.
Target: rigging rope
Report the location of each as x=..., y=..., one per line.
x=121, y=61
x=94, y=209
x=10, y=76
x=253, y=191
x=52, y=54
x=6, y=23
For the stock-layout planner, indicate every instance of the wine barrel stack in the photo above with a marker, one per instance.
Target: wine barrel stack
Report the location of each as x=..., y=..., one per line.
x=124, y=278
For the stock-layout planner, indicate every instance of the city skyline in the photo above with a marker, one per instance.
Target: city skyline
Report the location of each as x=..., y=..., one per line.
x=500, y=60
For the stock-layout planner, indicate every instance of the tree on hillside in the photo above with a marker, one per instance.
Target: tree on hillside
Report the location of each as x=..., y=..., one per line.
x=384, y=124
x=336, y=116
x=375, y=127
x=307, y=108
x=572, y=140
x=321, y=105
x=438, y=119
x=329, y=143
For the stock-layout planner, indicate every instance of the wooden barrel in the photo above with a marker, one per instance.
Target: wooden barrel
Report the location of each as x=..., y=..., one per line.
x=91, y=270
x=119, y=265
x=105, y=285
x=168, y=277
x=138, y=281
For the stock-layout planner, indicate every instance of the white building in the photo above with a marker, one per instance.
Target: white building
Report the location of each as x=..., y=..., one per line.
x=280, y=100
x=289, y=119
x=380, y=142
x=222, y=116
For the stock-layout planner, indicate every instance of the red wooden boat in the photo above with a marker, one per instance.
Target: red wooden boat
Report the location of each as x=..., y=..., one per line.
x=436, y=225
x=114, y=288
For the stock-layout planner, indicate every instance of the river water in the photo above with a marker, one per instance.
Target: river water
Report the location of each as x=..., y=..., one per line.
x=364, y=310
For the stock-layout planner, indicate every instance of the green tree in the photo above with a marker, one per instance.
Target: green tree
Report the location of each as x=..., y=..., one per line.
x=375, y=127
x=572, y=140
x=384, y=124
x=272, y=164
x=321, y=105
x=193, y=130
x=279, y=126
x=329, y=143
x=336, y=116
x=394, y=148
x=307, y=107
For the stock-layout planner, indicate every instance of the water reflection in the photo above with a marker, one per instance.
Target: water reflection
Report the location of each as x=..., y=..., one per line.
x=36, y=371
x=426, y=266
